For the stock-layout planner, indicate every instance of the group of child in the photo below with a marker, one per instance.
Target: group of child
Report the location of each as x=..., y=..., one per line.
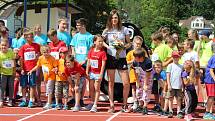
x=171, y=71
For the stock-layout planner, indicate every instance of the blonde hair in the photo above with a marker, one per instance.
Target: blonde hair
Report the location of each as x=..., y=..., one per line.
x=192, y=76
x=138, y=37
x=52, y=32
x=27, y=31
x=62, y=19
x=44, y=48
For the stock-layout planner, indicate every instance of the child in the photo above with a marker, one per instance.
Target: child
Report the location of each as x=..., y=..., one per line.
x=7, y=71
x=137, y=43
x=143, y=69
x=18, y=73
x=189, y=79
x=75, y=73
x=174, y=83
x=95, y=69
x=28, y=57
x=210, y=86
x=61, y=84
x=162, y=51
x=49, y=68
x=159, y=82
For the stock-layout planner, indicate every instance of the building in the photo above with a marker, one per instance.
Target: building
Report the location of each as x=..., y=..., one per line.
x=197, y=22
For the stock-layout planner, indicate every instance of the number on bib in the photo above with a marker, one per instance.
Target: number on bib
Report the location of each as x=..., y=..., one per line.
x=94, y=63
x=81, y=50
x=155, y=57
x=45, y=69
x=8, y=64
x=30, y=55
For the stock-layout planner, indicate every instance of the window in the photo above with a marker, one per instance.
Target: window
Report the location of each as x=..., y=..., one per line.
x=197, y=25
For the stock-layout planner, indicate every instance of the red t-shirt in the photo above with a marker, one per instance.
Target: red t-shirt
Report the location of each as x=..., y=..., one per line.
x=29, y=54
x=96, y=59
x=76, y=69
x=55, y=49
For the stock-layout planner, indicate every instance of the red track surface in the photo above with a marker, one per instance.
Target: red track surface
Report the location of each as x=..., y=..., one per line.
x=37, y=114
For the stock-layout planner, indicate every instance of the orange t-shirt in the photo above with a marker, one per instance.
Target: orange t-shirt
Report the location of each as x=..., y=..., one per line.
x=130, y=57
x=47, y=64
x=61, y=71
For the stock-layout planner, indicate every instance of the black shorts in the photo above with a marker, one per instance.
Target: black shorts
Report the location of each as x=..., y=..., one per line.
x=155, y=89
x=113, y=63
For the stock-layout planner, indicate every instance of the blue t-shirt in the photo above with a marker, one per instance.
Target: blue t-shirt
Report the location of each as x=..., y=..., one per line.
x=64, y=36
x=42, y=39
x=189, y=86
x=82, y=44
x=161, y=76
x=211, y=65
x=14, y=43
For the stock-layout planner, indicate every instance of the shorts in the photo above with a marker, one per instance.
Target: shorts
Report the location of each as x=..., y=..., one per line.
x=155, y=88
x=81, y=83
x=94, y=76
x=174, y=93
x=61, y=89
x=28, y=80
x=50, y=86
x=113, y=63
x=210, y=88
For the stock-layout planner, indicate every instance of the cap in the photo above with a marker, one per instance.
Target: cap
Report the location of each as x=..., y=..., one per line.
x=175, y=54
x=205, y=32
x=63, y=49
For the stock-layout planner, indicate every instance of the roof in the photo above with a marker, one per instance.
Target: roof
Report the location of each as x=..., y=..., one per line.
x=8, y=6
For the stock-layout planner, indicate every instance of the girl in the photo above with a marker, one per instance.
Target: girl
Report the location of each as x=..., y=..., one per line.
x=95, y=69
x=189, y=80
x=7, y=71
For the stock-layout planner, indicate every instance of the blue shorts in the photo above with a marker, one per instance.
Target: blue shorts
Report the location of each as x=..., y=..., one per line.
x=94, y=76
x=28, y=80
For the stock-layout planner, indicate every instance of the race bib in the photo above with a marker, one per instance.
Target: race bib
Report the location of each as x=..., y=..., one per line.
x=55, y=55
x=94, y=63
x=30, y=55
x=155, y=57
x=8, y=64
x=45, y=69
x=81, y=50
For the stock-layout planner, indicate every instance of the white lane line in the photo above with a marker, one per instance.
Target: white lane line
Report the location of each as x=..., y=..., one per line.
x=34, y=115
x=113, y=116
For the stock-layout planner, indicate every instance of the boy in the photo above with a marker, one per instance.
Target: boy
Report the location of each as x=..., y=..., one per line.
x=143, y=69
x=162, y=51
x=28, y=57
x=61, y=84
x=210, y=86
x=159, y=83
x=49, y=68
x=174, y=83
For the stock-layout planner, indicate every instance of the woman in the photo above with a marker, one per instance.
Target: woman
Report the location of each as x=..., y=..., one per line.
x=115, y=33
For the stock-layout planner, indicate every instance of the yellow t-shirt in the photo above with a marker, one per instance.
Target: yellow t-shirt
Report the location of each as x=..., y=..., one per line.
x=130, y=57
x=61, y=71
x=47, y=65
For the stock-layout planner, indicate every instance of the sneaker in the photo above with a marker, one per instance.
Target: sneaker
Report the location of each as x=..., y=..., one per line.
x=134, y=107
x=71, y=102
x=47, y=106
x=138, y=110
x=82, y=103
x=156, y=108
x=94, y=109
x=22, y=104
x=209, y=116
x=124, y=109
x=89, y=106
x=30, y=104
x=188, y=117
x=65, y=107
x=76, y=109
x=170, y=115
x=39, y=104
x=180, y=115
x=1, y=104
x=111, y=110
x=145, y=111
x=10, y=103
x=58, y=107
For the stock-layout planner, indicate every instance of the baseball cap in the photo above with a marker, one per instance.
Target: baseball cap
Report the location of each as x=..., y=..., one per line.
x=63, y=49
x=175, y=54
x=205, y=32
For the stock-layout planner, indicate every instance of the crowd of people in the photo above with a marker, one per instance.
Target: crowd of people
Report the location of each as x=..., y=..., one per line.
x=180, y=69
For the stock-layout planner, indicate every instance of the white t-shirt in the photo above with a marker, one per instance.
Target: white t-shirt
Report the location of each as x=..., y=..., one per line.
x=175, y=71
x=193, y=56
